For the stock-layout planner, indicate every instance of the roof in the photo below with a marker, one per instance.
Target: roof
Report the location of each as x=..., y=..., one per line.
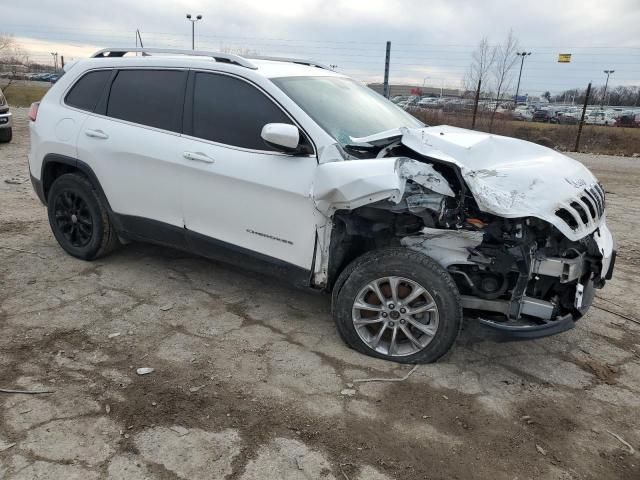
x=273, y=69
x=270, y=67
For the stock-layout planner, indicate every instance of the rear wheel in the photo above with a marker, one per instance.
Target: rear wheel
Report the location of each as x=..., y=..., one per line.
x=398, y=305
x=79, y=219
x=6, y=134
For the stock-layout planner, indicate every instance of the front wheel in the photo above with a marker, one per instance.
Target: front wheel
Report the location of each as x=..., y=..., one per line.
x=398, y=305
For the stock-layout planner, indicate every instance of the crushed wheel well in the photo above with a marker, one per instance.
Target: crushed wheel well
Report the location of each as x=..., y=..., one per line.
x=362, y=230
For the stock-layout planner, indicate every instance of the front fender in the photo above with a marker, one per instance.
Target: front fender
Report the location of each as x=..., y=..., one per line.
x=346, y=185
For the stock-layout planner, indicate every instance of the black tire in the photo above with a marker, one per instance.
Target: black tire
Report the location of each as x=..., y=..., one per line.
x=6, y=134
x=413, y=266
x=90, y=216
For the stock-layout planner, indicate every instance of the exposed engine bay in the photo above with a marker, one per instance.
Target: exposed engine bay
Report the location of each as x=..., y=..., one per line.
x=519, y=273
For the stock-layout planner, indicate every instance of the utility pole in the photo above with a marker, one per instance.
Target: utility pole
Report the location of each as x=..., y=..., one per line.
x=475, y=105
x=385, y=90
x=604, y=94
x=584, y=111
x=193, y=29
x=523, y=55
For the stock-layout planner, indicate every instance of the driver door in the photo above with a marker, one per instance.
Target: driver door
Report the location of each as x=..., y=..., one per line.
x=239, y=194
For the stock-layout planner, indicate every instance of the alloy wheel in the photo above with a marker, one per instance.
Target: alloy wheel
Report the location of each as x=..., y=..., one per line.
x=395, y=316
x=73, y=218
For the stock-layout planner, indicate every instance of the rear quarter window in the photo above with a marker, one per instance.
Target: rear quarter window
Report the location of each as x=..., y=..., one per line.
x=86, y=92
x=149, y=97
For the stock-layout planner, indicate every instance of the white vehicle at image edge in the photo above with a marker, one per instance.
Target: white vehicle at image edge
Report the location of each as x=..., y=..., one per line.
x=6, y=130
x=286, y=167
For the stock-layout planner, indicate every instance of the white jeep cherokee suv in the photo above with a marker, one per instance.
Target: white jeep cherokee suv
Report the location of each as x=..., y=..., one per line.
x=288, y=167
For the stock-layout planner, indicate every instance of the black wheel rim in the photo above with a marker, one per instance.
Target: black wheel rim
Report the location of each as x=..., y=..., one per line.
x=73, y=219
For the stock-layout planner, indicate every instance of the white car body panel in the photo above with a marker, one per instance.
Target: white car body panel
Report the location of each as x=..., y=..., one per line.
x=151, y=187
x=253, y=199
x=58, y=137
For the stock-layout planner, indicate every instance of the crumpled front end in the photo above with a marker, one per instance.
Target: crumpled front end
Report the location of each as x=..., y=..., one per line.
x=520, y=228
x=522, y=276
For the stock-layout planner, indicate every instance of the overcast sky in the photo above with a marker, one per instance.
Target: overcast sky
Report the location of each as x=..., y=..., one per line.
x=431, y=40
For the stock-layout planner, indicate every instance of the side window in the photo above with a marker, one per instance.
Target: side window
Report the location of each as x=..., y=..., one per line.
x=149, y=97
x=86, y=92
x=231, y=111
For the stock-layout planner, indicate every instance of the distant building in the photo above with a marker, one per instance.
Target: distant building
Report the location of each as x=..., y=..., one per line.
x=407, y=90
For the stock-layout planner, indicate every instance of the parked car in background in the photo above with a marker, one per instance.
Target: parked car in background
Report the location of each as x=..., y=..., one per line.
x=522, y=113
x=43, y=77
x=600, y=118
x=428, y=102
x=6, y=131
x=399, y=98
x=409, y=103
x=543, y=115
x=628, y=120
x=566, y=118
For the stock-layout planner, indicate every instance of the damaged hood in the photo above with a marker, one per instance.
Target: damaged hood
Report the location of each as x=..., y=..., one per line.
x=508, y=177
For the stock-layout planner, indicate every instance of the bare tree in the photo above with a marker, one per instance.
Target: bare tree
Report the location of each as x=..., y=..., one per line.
x=12, y=57
x=505, y=59
x=6, y=43
x=482, y=59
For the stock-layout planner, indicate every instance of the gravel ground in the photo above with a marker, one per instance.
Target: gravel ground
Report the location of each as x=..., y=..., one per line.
x=251, y=380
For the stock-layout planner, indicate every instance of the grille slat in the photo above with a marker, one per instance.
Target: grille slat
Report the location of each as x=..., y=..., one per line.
x=596, y=195
x=591, y=205
x=585, y=210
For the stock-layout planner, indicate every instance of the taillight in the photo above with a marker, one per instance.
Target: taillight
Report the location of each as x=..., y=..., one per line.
x=33, y=111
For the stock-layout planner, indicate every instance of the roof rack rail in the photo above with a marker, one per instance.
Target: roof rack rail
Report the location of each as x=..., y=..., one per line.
x=217, y=56
x=300, y=61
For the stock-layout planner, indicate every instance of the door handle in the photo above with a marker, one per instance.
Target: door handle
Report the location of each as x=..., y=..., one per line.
x=96, y=134
x=198, y=157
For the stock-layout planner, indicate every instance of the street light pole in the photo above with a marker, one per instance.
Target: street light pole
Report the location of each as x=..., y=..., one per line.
x=193, y=29
x=520, y=54
x=55, y=60
x=604, y=94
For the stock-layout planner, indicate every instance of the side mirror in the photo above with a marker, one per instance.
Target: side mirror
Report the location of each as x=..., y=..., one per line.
x=283, y=137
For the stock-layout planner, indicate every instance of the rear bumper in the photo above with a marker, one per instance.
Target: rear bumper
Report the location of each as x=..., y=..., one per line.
x=6, y=120
x=37, y=187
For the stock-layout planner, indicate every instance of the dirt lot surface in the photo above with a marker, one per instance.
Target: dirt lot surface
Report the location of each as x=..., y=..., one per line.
x=252, y=382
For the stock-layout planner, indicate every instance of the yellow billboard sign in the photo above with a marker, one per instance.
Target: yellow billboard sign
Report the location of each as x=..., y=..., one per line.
x=564, y=58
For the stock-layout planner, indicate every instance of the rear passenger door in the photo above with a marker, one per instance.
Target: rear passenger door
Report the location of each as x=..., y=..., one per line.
x=130, y=142
x=237, y=190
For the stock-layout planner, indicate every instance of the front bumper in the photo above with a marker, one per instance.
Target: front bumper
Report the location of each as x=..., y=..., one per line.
x=6, y=120
x=529, y=331
x=538, y=318
x=607, y=246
